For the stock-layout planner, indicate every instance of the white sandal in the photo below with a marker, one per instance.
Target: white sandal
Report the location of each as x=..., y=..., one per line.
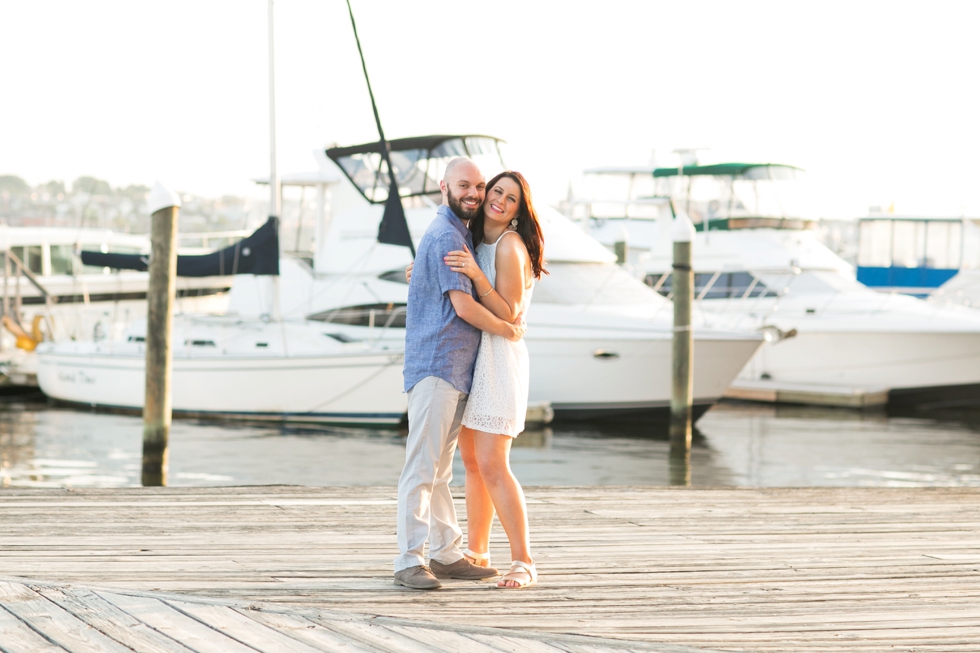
x=518, y=567
x=478, y=559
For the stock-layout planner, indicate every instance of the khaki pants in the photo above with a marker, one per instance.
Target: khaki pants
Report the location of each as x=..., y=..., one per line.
x=425, y=505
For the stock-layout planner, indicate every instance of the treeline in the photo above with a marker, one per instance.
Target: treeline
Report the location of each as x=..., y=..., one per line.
x=12, y=186
x=93, y=202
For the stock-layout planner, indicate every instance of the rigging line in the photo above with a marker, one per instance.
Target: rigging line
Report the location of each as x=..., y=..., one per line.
x=377, y=119
x=335, y=280
x=395, y=359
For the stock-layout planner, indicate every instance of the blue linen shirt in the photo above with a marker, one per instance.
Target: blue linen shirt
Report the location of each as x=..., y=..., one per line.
x=437, y=341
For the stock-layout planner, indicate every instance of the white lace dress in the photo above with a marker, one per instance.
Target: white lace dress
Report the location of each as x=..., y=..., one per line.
x=498, y=396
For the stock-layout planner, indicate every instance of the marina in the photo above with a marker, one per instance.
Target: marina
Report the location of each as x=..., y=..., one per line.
x=746, y=413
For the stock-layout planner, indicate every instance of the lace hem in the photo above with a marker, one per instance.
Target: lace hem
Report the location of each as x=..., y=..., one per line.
x=494, y=424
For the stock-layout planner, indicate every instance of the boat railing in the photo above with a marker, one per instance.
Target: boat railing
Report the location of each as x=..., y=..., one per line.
x=376, y=317
x=582, y=211
x=210, y=239
x=13, y=315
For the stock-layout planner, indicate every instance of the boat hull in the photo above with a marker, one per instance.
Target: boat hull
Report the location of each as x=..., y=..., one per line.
x=891, y=360
x=346, y=389
x=595, y=377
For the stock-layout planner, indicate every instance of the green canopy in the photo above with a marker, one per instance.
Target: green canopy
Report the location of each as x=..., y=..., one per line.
x=724, y=169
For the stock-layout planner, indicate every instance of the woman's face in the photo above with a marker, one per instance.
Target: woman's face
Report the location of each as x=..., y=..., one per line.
x=503, y=201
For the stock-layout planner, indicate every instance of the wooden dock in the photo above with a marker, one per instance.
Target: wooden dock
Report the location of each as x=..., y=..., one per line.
x=643, y=569
x=807, y=394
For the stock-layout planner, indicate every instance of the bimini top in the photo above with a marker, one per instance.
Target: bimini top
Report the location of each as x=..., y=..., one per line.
x=419, y=162
x=745, y=170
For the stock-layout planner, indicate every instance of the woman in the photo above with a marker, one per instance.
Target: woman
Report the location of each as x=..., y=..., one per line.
x=509, y=257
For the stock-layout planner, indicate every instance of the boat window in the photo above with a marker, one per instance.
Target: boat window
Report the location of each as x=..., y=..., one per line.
x=727, y=285
x=943, y=244
x=908, y=243
x=397, y=276
x=875, y=244
x=62, y=259
x=757, y=192
x=30, y=256
x=200, y=343
x=369, y=315
x=341, y=337
x=590, y=283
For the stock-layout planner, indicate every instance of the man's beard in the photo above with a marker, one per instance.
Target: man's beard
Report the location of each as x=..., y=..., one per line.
x=463, y=214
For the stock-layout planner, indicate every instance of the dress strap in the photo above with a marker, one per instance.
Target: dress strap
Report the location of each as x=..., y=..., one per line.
x=506, y=231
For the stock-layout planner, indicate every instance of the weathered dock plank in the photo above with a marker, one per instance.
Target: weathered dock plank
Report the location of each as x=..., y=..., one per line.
x=54, y=623
x=814, y=569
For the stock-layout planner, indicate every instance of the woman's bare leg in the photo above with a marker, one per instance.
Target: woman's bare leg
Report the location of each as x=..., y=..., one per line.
x=479, y=506
x=493, y=457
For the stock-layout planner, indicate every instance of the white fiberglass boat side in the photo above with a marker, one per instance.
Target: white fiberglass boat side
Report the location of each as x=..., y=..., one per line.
x=230, y=368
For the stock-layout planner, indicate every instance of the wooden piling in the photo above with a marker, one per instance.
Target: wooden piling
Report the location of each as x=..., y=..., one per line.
x=682, y=359
x=157, y=406
x=622, y=251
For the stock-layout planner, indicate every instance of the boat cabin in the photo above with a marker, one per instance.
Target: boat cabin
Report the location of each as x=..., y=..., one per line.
x=719, y=196
x=915, y=255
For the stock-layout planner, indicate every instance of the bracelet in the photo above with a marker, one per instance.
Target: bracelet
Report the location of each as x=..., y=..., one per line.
x=487, y=293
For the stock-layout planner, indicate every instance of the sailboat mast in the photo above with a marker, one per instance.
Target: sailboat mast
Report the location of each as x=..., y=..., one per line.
x=274, y=203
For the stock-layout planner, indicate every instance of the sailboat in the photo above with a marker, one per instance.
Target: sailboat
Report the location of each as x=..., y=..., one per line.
x=263, y=367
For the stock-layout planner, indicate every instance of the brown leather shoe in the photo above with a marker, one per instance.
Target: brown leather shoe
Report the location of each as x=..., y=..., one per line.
x=462, y=569
x=418, y=577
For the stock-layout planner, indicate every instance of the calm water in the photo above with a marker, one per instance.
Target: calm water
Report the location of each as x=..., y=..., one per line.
x=736, y=444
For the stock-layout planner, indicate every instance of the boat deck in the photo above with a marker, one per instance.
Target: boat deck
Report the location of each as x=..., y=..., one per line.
x=664, y=569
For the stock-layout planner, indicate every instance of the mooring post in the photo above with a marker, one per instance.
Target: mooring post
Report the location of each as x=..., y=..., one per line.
x=157, y=407
x=682, y=359
x=622, y=246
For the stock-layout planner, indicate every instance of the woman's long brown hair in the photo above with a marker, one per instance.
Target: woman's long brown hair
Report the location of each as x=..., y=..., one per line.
x=528, y=227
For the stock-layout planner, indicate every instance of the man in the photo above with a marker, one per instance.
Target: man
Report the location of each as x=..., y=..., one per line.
x=443, y=326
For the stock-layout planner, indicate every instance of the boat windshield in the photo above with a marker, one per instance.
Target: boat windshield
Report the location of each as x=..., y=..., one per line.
x=590, y=283
x=727, y=192
x=716, y=285
x=419, y=163
x=620, y=193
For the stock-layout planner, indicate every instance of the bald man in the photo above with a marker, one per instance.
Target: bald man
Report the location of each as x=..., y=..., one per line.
x=442, y=335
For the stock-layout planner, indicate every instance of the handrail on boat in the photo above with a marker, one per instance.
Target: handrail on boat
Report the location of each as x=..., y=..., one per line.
x=206, y=236
x=49, y=299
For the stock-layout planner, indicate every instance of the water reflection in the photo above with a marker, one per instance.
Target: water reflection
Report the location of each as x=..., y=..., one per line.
x=734, y=445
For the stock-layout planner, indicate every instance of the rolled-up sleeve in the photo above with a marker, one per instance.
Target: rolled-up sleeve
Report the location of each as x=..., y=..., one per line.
x=449, y=280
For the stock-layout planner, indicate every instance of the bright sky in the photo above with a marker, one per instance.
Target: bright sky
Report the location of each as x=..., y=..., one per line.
x=878, y=101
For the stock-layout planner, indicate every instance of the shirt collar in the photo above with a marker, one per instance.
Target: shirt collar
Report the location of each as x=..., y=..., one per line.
x=454, y=219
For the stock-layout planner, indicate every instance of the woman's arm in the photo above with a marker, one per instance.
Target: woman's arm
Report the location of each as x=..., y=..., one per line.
x=511, y=283
x=464, y=263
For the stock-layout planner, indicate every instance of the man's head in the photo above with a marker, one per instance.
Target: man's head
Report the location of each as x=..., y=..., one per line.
x=463, y=188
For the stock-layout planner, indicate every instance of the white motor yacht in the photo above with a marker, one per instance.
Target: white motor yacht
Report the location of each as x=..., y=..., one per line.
x=759, y=266
x=599, y=339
